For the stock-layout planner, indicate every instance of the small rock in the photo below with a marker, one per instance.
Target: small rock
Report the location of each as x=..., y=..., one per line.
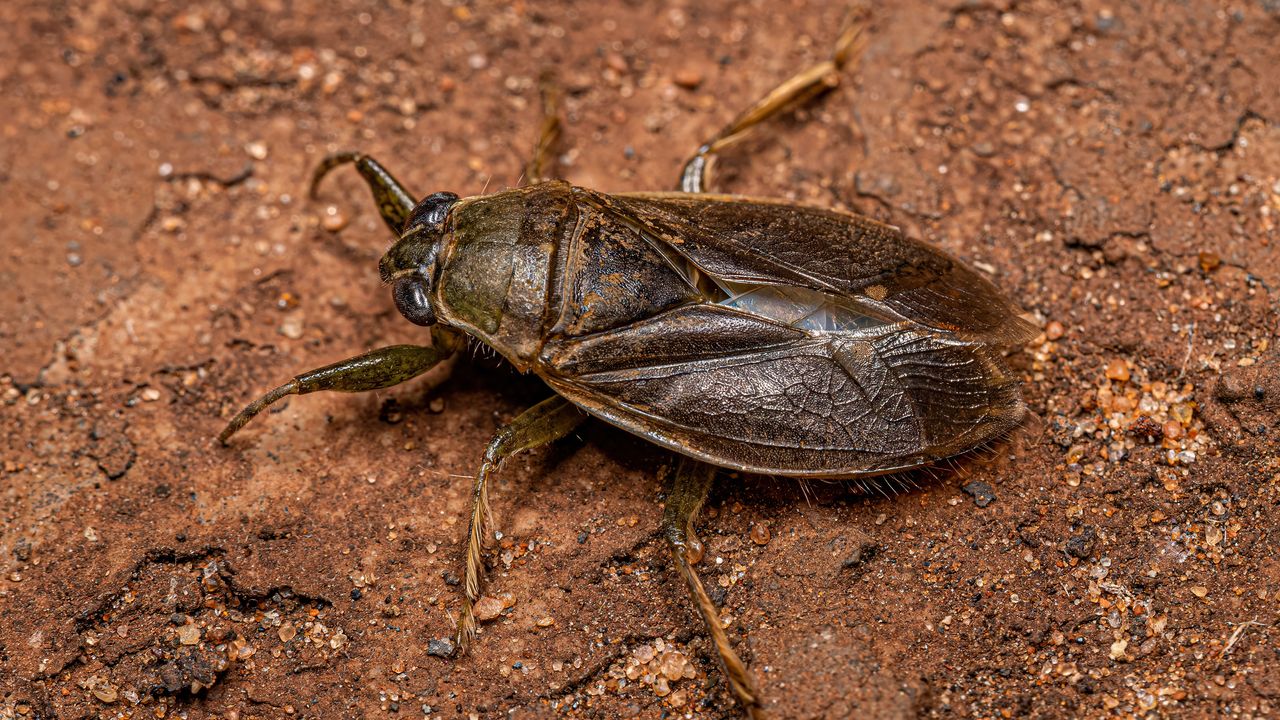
x=673, y=665
x=256, y=150
x=616, y=62
x=334, y=220
x=1080, y=546
x=644, y=653
x=984, y=149
x=189, y=634
x=861, y=554
x=760, y=534
x=1054, y=330
x=291, y=327
x=288, y=631
x=1209, y=261
x=661, y=688
x=983, y=494
x=1118, y=370
x=688, y=78
x=106, y=693
x=487, y=608
x=1145, y=426
x=1199, y=591
x=1117, y=649
x=338, y=640
x=150, y=394
x=440, y=647
x=546, y=621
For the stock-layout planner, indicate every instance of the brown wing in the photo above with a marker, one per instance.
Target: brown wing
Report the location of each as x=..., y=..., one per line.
x=744, y=392
x=759, y=242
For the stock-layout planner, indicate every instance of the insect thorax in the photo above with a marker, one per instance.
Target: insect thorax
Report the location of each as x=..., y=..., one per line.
x=497, y=267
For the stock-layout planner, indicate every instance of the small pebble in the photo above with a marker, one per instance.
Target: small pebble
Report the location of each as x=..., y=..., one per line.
x=440, y=647
x=1054, y=330
x=760, y=534
x=1118, y=370
x=688, y=78
x=661, y=688
x=189, y=634
x=334, y=220
x=616, y=62
x=644, y=653
x=673, y=665
x=338, y=640
x=288, y=631
x=1199, y=591
x=1209, y=261
x=1172, y=429
x=487, y=608
x=1117, y=649
x=546, y=622
x=983, y=494
x=151, y=394
x=256, y=150
x=105, y=692
x=291, y=327
x=436, y=405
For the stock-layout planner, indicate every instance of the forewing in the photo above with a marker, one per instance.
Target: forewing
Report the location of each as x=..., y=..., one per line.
x=743, y=392
x=759, y=242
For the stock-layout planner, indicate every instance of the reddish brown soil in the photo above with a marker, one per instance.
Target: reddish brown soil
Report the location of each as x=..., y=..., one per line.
x=1115, y=167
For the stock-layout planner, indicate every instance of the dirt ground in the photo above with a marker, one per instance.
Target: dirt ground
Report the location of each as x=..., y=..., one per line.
x=1115, y=167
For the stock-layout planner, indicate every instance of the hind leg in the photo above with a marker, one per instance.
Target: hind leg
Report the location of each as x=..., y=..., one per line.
x=540, y=425
x=793, y=92
x=689, y=490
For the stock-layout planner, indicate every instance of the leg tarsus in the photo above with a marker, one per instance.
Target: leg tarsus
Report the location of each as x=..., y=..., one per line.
x=544, y=423
x=794, y=91
x=373, y=370
x=689, y=490
x=395, y=203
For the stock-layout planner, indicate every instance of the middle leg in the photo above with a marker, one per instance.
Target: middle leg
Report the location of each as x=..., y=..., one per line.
x=793, y=92
x=548, y=130
x=540, y=425
x=689, y=490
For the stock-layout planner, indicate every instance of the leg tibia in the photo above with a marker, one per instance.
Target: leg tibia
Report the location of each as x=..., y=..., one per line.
x=689, y=490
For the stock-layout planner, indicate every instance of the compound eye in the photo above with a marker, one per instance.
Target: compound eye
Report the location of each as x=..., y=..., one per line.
x=411, y=298
x=431, y=212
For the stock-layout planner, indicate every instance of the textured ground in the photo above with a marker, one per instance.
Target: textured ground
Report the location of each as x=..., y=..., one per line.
x=1114, y=167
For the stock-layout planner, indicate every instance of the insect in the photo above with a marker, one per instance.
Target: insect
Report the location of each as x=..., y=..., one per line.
x=756, y=335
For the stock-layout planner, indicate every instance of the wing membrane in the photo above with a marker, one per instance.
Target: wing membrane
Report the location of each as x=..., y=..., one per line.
x=867, y=263
x=744, y=392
